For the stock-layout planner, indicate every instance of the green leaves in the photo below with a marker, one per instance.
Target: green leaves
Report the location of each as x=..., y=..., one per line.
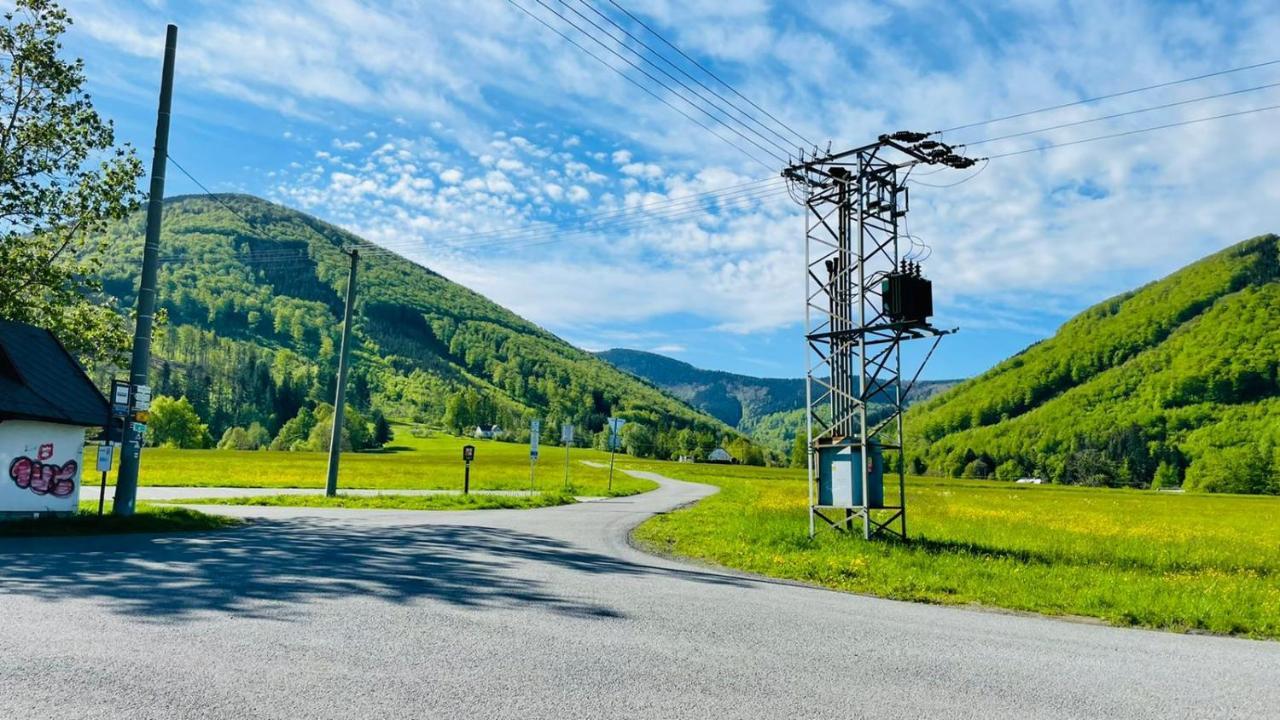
x=62, y=180
x=1180, y=375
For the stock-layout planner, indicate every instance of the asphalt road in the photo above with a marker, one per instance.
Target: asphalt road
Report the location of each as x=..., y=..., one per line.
x=543, y=614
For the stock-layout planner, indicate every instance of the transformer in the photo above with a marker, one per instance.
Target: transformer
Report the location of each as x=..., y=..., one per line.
x=907, y=297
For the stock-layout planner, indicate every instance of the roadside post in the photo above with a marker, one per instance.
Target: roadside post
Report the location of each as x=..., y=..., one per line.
x=566, y=439
x=468, y=454
x=104, y=466
x=615, y=439
x=535, y=431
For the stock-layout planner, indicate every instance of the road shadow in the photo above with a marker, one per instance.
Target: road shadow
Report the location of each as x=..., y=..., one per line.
x=271, y=568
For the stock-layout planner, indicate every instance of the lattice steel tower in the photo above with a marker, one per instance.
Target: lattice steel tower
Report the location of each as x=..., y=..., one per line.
x=863, y=299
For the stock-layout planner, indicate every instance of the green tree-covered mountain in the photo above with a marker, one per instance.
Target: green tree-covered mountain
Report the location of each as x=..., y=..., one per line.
x=1175, y=382
x=253, y=297
x=770, y=410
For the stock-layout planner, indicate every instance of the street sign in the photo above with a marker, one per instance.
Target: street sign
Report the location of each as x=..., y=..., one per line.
x=535, y=431
x=566, y=433
x=141, y=397
x=142, y=416
x=139, y=428
x=468, y=453
x=119, y=397
x=615, y=432
x=104, y=457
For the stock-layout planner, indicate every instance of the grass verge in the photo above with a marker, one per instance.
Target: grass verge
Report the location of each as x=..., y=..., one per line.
x=409, y=463
x=148, y=519
x=1176, y=562
x=398, y=502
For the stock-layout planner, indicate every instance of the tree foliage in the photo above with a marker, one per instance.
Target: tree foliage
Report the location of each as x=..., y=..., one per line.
x=175, y=423
x=1181, y=377
x=62, y=180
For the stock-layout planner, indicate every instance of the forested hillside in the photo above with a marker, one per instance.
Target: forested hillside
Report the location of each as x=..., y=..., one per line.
x=1173, y=383
x=770, y=410
x=253, y=297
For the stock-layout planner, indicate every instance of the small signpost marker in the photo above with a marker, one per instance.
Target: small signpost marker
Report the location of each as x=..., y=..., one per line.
x=615, y=438
x=535, y=431
x=566, y=439
x=468, y=454
x=104, y=466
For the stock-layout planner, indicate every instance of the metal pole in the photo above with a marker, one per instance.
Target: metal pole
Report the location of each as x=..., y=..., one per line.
x=566, y=465
x=339, y=399
x=809, y=459
x=131, y=448
x=862, y=346
x=532, y=464
x=612, y=450
x=466, y=480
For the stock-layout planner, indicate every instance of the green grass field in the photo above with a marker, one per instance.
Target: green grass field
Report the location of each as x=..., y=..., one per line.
x=1177, y=562
x=148, y=519
x=407, y=463
x=399, y=502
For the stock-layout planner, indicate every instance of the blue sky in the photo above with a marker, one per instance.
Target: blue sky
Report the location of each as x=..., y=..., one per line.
x=444, y=129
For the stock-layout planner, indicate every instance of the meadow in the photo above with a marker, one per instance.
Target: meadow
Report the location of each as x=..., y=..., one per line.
x=391, y=501
x=1190, y=562
x=408, y=462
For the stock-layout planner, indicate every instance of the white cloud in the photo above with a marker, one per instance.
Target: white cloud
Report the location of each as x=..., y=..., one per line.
x=642, y=170
x=1026, y=237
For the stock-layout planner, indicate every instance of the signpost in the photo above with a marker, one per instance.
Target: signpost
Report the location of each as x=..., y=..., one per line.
x=615, y=439
x=566, y=439
x=535, y=431
x=468, y=454
x=104, y=466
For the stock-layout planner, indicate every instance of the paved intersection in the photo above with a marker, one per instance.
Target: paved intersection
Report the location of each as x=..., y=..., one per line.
x=311, y=613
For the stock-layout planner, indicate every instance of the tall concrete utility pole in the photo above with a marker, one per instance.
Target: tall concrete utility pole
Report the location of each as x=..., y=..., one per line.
x=339, y=400
x=131, y=452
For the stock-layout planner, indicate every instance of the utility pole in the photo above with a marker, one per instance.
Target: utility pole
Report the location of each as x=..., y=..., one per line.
x=339, y=400
x=871, y=299
x=131, y=451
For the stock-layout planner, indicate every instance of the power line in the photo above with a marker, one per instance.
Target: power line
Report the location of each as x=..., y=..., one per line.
x=985, y=163
x=785, y=141
x=642, y=71
x=635, y=82
x=1121, y=114
x=1109, y=96
x=1135, y=132
x=717, y=78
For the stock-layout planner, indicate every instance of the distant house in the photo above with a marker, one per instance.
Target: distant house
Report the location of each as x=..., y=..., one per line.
x=719, y=455
x=488, y=432
x=1030, y=481
x=46, y=404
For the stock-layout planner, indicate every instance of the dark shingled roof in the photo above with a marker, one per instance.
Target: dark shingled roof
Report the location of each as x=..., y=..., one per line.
x=40, y=380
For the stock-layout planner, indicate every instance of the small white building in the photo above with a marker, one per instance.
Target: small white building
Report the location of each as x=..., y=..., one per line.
x=1029, y=481
x=488, y=432
x=46, y=404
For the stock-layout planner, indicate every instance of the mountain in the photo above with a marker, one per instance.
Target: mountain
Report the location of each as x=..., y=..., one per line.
x=1175, y=382
x=729, y=397
x=771, y=410
x=252, y=294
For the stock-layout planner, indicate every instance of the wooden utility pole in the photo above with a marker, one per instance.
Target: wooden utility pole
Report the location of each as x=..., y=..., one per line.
x=131, y=449
x=339, y=400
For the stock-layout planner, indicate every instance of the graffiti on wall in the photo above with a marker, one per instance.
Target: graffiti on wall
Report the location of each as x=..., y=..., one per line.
x=44, y=478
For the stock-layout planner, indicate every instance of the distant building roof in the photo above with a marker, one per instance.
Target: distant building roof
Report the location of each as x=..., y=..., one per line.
x=40, y=380
x=719, y=455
